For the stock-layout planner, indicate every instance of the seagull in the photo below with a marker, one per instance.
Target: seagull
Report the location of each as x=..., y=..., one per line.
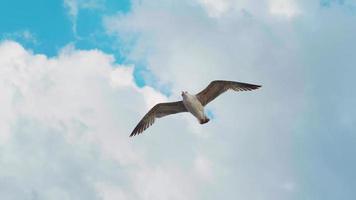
x=191, y=103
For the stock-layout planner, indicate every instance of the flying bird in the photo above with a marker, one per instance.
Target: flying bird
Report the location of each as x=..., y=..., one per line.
x=191, y=103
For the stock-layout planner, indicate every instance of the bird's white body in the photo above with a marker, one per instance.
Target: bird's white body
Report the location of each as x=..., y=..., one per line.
x=194, y=106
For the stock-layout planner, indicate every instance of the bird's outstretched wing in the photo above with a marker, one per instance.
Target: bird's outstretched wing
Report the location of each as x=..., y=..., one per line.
x=159, y=110
x=215, y=88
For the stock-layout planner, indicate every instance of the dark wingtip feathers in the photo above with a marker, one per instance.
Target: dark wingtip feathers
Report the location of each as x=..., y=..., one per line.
x=256, y=87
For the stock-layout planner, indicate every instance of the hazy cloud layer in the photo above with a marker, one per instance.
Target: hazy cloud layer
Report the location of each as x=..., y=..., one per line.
x=273, y=139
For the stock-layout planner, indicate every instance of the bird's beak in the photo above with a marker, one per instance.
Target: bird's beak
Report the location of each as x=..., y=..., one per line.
x=182, y=93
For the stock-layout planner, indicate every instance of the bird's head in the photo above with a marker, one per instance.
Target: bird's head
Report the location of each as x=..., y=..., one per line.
x=184, y=93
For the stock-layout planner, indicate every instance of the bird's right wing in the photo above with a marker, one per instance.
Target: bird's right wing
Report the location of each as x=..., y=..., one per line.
x=215, y=88
x=159, y=110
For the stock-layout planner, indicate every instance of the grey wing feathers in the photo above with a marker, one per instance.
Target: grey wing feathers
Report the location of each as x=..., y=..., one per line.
x=215, y=88
x=159, y=110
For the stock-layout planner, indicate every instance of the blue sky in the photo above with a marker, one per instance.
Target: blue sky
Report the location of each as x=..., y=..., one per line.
x=49, y=22
x=49, y=36
x=77, y=75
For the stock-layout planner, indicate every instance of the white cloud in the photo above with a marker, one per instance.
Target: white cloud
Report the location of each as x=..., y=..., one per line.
x=187, y=51
x=65, y=123
x=23, y=35
x=215, y=8
x=261, y=9
x=74, y=6
x=203, y=167
x=110, y=192
x=284, y=8
x=122, y=77
x=289, y=186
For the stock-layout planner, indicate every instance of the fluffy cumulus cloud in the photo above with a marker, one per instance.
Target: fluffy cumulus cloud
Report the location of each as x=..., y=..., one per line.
x=64, y=127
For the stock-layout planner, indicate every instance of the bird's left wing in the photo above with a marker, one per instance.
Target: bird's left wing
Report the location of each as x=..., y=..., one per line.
x=159, y=110
x=215, y=88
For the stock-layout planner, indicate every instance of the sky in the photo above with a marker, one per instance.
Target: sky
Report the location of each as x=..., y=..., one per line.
x=76, y=76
